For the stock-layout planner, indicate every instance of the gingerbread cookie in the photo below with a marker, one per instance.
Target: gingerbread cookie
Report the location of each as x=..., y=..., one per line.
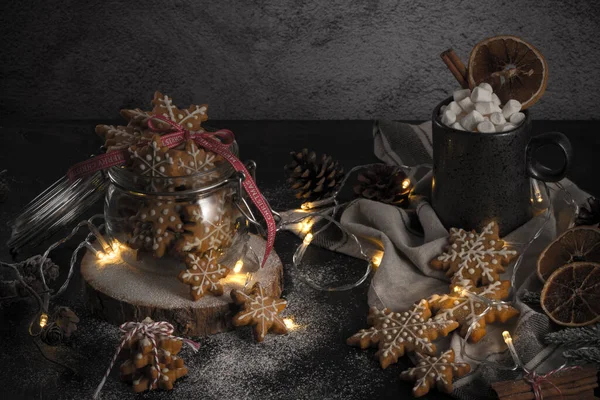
x=120, y=137
x=474, y=257
x=140, y=367
x=155, y=226
x=438, y=371
x=195, y=160
x=136, y=117
x=466, y=309
x=259, y=310
x=396, y=333
x=153, y=159
x=203, y=274
x=191, y=119
x=209, y=225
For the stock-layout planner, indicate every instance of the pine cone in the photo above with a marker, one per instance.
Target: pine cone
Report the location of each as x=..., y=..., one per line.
x=589, y=214
x=311, y=177
x=384, y=183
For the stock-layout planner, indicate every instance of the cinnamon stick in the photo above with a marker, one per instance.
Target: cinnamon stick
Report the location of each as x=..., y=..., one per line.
x=456, y=66
x=507, y=388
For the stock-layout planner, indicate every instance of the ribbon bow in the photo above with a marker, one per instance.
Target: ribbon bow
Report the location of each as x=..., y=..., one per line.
x=217, y=142
x=149, y=330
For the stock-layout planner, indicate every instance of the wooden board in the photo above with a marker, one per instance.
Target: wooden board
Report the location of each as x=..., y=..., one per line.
x=120, y=291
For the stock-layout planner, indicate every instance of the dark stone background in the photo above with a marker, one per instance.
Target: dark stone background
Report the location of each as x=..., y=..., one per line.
x=279, y=59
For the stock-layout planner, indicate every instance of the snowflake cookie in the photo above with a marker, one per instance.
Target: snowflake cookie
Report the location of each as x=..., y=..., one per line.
x=474, y=257
x=203, y=274
x=120, y=137
x=396, y=333
x=438, y=371
x=465, y=309
x=194, y=160
x=153, y=159
x=259, y=310
x=209, y=224
x=155, y=226
x=191, y=119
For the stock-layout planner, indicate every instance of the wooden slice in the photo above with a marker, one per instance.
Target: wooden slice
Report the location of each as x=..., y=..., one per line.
x=124, y=290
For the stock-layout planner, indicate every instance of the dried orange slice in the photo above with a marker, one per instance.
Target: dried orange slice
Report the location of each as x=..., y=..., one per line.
x=514, y=68
x=581, y=243
x=571, y=295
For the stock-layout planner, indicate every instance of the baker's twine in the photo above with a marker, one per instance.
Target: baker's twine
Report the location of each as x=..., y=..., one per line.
x=536, y=380
x=148, y=330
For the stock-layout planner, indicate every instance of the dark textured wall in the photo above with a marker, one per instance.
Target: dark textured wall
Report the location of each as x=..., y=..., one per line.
x=280, y=59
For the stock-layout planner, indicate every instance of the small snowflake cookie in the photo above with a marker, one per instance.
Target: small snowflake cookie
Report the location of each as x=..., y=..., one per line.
x=438, y=371
x=209, y=224
x=155, y=226
x=191, y=119
x=121, y=137
x=203, y=274
x=259, y=310
x=465, y=309
x=475, y=258
x=399, y=332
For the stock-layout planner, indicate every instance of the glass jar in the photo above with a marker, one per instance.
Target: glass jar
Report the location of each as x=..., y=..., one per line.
x=156, y=219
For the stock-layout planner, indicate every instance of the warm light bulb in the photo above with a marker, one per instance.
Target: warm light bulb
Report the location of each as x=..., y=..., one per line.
x=43, y=320
x=376, y=261
x=290, y=324
x=507, y=338
x=305, y=206
x=405, y=183
x=238, y=266
x=307, y=239
x=100, y=255
x=306, y=225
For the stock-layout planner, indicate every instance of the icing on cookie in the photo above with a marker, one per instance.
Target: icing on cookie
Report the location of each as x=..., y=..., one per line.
x=395, y=333
x=203, y=274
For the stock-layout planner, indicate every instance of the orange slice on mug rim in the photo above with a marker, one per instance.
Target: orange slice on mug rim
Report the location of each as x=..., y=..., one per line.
x=514, y=68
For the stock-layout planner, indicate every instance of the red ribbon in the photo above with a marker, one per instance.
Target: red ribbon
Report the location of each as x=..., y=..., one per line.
x=217, y=142
x=536, y=381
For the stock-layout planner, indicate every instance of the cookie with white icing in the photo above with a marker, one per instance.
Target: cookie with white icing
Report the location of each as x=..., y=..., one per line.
x=155, y=226
x=117, y=137
x=190, y=118
x=435, y=371
x=396, y=333
x=474, y=257
x=203, y=274
x=259, y=310
x=465, y=309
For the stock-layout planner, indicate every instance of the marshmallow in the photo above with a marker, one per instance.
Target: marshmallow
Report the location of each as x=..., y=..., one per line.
x=496, y=99
x=505, y=127
x=470, y=121
x=466, y=104
x=485, y=108
x=511, y=107
x=485, y=86
x=486, y=127
x=480, y=94
x=497, y=118
x=448, y=117
x=458, y=126
x=460, y=94
x=517, y=118
x=455, y=108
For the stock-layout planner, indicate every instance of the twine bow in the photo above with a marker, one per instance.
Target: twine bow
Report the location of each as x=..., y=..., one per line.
x=536, y=380
x=149, y=330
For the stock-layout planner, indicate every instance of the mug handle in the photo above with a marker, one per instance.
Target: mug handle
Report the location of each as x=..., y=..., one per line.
x=539, y=171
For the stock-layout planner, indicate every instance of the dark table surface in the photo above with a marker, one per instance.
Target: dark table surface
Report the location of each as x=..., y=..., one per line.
x=311, y=362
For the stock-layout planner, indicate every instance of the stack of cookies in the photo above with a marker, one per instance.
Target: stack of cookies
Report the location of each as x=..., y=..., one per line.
x=473, y=262
x=187, y=227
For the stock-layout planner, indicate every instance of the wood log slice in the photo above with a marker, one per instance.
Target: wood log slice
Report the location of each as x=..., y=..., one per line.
x=124, y=290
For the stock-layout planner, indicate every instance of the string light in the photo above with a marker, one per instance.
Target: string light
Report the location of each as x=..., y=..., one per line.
x=290, y=324
x=43, y=319
x=238, y=266
x=511, y=348
x=306, y=225
x=307, y=239
x=376, y=260
x=537, y=193
x=405, y=183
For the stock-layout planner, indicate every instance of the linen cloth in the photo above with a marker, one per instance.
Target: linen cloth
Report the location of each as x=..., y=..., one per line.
x=404, y=275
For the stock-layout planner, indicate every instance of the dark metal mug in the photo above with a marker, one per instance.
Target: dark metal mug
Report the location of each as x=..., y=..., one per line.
x=480, y=177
